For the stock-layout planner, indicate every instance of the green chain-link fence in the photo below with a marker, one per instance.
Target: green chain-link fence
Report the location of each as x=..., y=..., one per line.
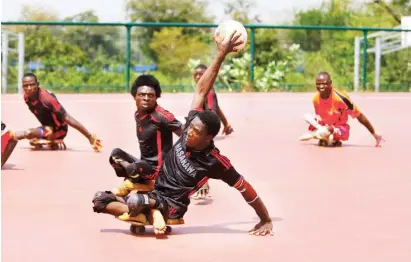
x=105, y=57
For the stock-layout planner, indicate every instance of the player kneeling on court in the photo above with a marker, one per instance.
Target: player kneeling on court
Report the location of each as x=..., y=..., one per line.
x=8, y=143
x=192, y=160
x=332, y=108
x=52, y=116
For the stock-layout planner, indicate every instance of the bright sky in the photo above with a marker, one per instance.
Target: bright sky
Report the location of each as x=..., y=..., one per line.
x=271, y=11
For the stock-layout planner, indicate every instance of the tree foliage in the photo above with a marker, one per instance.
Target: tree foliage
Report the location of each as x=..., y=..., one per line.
x=76, y=55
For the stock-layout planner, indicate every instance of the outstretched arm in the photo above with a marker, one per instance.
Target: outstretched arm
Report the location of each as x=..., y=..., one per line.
x=206, y=82
x=265, y=225
x=365, y=122
x=82, y=129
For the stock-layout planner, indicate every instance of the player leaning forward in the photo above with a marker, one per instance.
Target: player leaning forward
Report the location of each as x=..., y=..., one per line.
x=192, y=160
x=332, y=108
x=51, y=114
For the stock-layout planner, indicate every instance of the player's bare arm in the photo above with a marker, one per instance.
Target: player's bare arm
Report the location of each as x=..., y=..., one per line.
x=206, y=82
x=265, y=226
x=365, y=122
x=94, y=141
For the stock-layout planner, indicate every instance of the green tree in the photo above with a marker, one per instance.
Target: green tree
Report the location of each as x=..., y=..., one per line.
x=175, y=49
x=184, y=11
x=100, y=43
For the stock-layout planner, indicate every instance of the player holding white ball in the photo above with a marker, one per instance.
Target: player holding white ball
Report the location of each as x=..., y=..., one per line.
x=226, y=28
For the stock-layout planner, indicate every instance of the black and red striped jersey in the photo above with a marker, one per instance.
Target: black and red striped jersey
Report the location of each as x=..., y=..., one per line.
x=184, y=170
x=47, y=109
x=155, y=134
x=211, y=102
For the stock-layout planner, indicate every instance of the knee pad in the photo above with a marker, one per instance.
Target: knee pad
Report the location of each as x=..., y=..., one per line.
x=45, y=132
x=101, y=199
x=137, y=203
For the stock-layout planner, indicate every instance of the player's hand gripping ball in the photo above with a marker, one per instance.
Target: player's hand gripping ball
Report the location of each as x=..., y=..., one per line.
x=226, y=28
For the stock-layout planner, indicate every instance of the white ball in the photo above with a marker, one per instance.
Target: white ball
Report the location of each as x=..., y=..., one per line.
x=227, y=27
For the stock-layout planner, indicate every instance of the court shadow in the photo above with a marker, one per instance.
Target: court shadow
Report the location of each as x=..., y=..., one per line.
x=203, y=202
x=344, y=145
x=10, y=167
x=49, y=150
x=148, y=234
x=221, y=228
x=357, y=145
x=219, y=138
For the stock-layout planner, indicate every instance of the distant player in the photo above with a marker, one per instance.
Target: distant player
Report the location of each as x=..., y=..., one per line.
x=51, y=114
x=154, y=127
x=332, y=108
x=210, y=103
x=192, y=160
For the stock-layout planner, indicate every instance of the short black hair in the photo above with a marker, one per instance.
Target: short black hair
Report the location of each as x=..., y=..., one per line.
x=146, y=80
x=324, y=74
x=211, y=120
x=30, y=75
x=202, y=66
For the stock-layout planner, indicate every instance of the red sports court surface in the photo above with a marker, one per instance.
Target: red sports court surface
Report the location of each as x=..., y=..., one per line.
x=328, y=204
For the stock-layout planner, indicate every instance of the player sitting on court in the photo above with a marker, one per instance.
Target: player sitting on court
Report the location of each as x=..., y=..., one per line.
x=192, y=160
x=8, y=143
x=332, y=108
x=154, y=127
x=210, y=103
x=52, y=116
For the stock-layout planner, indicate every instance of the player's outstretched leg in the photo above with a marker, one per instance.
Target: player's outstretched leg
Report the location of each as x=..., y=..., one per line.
x=43, y=136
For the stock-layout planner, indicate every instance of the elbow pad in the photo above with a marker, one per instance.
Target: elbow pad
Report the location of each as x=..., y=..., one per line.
x=246, y=190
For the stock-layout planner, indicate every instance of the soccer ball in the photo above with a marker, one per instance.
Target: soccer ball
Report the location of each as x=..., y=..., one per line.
x=227, y=27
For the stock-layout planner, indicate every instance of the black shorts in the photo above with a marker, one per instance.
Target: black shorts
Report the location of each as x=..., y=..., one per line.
x=175, y=209
x=137, y=171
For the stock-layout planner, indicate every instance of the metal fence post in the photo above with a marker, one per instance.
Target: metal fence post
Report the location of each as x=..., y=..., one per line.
x=128, y=56
x=252, y=54
x=364, y=66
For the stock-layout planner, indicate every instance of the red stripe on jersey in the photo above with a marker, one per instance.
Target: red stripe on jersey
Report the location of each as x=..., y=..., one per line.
x=222, y=159
x=198, y=109
x=199, y=184
x=210, y=100
x=48, y=97
x=169, y=116
x=160, y=156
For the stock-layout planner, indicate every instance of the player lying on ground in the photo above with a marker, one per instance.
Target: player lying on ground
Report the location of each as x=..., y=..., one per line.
x=154, y=128
x=8, y=143
x=192, y=160
x=51, y=114
x=210, y=103
x=332, y=108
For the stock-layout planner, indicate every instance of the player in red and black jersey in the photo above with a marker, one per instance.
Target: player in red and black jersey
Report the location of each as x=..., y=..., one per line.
x=192, y=160
x=51, y=114
x=210, y=103
x=155, y=127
